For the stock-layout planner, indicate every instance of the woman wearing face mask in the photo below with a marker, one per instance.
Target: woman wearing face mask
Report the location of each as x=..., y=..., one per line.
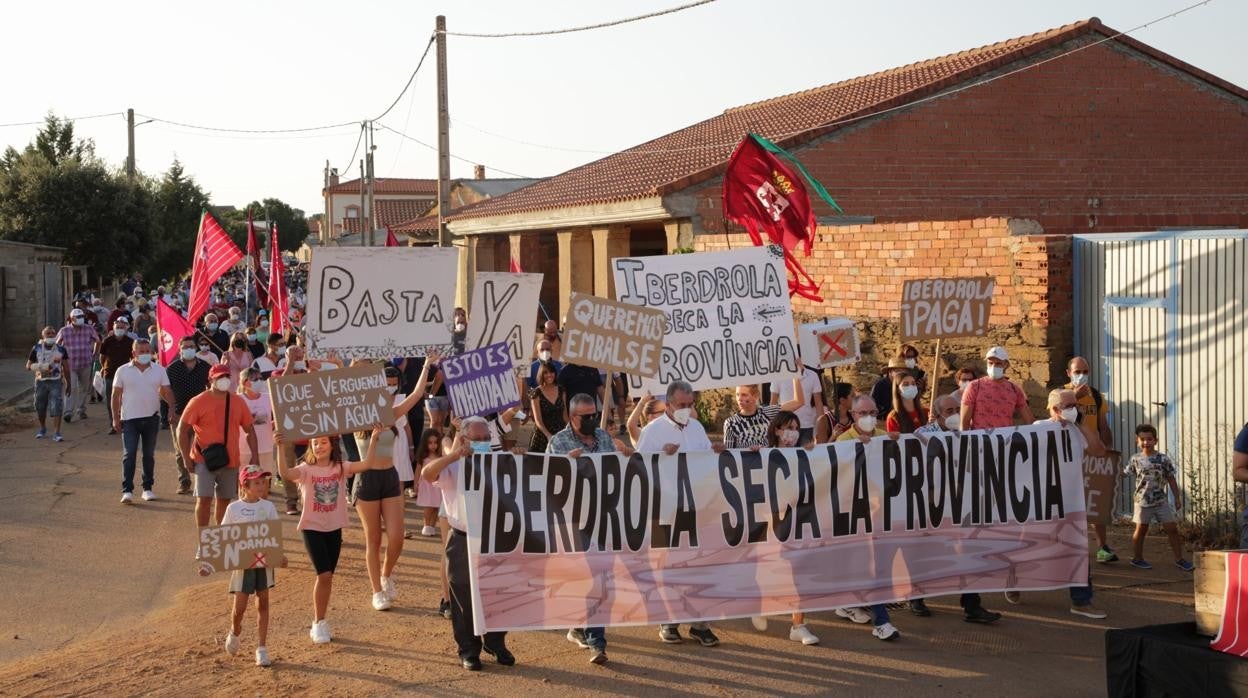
x=253, y=343
x=379, y=495
x=833, y=422
x=255, y=393
x=238, y=358
x=647, y=410
x=459, y=330
x=748, y=428
x=964, y=377
x=908, y=413
x=550, y=408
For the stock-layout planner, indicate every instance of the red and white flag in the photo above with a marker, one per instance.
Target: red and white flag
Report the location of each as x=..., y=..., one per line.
x=257, y=270
x=215, y=254
x=279, y=313
x=1233, y=636
x=171, y=327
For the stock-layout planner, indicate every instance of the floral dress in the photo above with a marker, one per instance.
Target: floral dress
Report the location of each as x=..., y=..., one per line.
x=552, y=417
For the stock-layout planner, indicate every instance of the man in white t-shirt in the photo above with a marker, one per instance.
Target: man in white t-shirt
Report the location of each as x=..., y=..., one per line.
x=812, y=386
x=138, y=388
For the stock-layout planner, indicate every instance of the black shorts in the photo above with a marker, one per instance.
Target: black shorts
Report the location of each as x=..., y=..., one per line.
x=323, y=547
x=376, y=485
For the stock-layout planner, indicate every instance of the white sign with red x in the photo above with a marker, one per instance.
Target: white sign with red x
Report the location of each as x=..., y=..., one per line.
x=829, y=343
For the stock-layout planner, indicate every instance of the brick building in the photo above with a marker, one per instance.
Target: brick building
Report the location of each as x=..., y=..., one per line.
x=984, y=161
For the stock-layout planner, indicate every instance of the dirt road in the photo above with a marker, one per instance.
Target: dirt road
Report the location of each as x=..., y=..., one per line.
x=100, y=597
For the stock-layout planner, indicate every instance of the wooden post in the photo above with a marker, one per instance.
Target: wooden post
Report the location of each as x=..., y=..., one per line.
x=606, y=400
x=934, y=377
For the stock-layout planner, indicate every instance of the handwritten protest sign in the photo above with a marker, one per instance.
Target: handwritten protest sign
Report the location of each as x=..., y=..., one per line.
x=706, y=536
x=377, y=303
x=944, y=308
x=504, y=309
x=323, y=403
x=1100, y=483
x=481, y=381
x=613, y=336
x=831, y=343
x=240, y=546
x=728, y=316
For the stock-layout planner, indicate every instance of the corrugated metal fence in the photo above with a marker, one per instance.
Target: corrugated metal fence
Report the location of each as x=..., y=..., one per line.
x=1163, y=320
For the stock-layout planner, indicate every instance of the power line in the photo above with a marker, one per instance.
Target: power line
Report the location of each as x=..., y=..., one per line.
x=410, y=79
x=72, y=118
x=419, y=142
x=216, y=129
x=587, y=27
x=351, y=160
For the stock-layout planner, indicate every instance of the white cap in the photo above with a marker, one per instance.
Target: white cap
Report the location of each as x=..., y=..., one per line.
x=997, y=353
x=76, y=312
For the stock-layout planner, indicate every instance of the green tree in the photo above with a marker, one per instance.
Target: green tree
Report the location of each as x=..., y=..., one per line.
x=179, y=201
x=292, y=226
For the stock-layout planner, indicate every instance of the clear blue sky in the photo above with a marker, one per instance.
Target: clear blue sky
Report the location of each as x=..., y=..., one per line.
x=272, y=65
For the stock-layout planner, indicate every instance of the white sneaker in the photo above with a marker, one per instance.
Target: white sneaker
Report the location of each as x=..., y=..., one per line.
x=854, y=614
x=231, y=643
x=387, y=587
x=262, y=656
x=759, y=623
x=802, y=634
x=319, y=632
x=149, y=496
x=127, y=498
x=429, y=531
x=886, y=632
x=381, y=602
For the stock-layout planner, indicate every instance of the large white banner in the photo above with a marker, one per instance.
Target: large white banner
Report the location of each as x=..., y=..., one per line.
x=729, y=321
x=380, y=302
x=504, y=309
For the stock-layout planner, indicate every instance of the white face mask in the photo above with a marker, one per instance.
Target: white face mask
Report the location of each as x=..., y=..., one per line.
x=911, y=363
x=953, y=422
x=143, y=359
x=187, y=354
x=866, y=425
x=1079, y=379
x=996, y=372
x=222, y=384
x=49, y=341
x=543, y=355
x=909, y=392
x=681, y=416
x=394, y=389
x=78, y=321
x=119, y=332
x=788, y=437
x=459, y=327
x=1070, y=414
x=300, y=365
x=281, y=351
x=962, y=384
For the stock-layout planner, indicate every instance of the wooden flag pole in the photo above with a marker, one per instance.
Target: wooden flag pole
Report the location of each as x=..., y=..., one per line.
x=935, y=376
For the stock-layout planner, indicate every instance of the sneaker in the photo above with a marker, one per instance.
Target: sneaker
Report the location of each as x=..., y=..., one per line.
x=290, y=511
x=886, y=632
x=759, y=623
x=444, y=609
x=670, y=634
x=387, y=586
x=1141, y=563
x=597, y=655
x=919, y=608
x=381, y=602
x=409, y=493
x=1089, y=611
x=705, y=636
x=149, y=496
x=1014, y=597
x=1184, y=565
x=854, y=614
x=319, y=632
x=429, y=531
x=184, y=489
x=57, y=437
x=802, y=634
x=231, y=643
x=41, y=433
x=262, y=656
x=979, y=614
x=112, y=431
x=127, y=498
x=577, y=637
x=1104, y=554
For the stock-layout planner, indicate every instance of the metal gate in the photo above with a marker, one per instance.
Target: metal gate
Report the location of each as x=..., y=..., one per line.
x=1163, y=320
x=53, y=296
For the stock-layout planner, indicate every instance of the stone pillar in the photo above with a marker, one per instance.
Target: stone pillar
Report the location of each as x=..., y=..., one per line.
x=679, y=234
x=517, y=253
x=609, y=242
x=576, y=268
x=479, y=256
x=464, y=273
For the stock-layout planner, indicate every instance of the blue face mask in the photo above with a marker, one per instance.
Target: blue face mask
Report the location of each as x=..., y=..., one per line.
x=480, y=446
x=143, y=359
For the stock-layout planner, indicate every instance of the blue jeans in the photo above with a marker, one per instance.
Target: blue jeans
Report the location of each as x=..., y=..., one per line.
x=596, y=637
x=879, y=614
x=1082, y=596
x=132, y=430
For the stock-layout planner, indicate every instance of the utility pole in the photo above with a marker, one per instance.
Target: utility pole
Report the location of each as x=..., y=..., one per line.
x=130, y=145
x=363, y=240
x=444, y=134
x=372, y=209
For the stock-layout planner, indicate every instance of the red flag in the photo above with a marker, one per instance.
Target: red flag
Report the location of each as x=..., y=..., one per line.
x=257, y=271
x=279, y=313
x=171, y=327
x=391, y=240
x=763, y=192
x=215, y=254
x=1233, y=636
x=515, y=266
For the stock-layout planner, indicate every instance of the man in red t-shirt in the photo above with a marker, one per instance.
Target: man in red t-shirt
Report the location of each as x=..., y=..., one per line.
x=205, y=416
x=993, y=401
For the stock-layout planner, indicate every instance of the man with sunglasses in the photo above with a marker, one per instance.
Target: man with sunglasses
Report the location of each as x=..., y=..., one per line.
x=583, y=435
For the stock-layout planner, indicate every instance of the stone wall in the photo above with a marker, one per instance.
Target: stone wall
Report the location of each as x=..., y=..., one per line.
x=22, y=299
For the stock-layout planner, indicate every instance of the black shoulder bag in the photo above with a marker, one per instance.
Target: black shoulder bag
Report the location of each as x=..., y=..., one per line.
x=217, y=456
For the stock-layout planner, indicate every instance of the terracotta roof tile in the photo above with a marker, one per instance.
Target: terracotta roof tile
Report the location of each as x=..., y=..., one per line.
x=391, y=185
x=390, y=212
x=417, y=226
x=699, y=152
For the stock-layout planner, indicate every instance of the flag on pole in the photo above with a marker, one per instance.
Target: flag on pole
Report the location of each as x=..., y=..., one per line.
x=763, y=191
x=279, y=313
x=257, y=271
x=171, y=327
x=391, y=240
x=215, y=254
x=515, y=266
